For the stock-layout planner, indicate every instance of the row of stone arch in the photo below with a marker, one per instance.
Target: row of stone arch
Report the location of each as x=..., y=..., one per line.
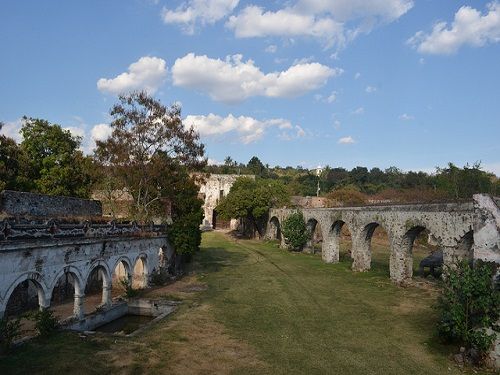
x=135, y=272
x=401, y=246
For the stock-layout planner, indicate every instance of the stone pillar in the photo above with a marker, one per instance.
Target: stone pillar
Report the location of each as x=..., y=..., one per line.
x=361, y=255
x=106, y=295
x=331, y=249
x=78, y=307
x=452, y=255
x=401, y=261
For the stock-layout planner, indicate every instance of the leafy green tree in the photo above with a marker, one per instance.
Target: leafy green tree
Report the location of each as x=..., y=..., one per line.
x=462, y=183
x=148, y=148
x=251, y=200
x=187, y=214
x=10, y=162
x=469, y=304
x=54, y=164
x=295, y=231
x=256, y=167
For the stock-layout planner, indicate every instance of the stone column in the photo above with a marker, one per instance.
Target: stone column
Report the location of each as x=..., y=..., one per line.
x=331, y=249
x=106, y=295
x=78, y=307
x=361, y=255
x=401, y=261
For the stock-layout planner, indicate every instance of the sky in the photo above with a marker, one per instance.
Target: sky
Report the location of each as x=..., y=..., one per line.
x=408, y=83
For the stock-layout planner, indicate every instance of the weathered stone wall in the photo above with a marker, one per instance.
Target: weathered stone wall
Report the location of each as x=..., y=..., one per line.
x=22, y=204
x=448, y=224
x=215, y=187
x=487, y=244
x=44, y=262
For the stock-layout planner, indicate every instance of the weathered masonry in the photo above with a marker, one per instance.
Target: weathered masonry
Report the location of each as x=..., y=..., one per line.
x=455, y=227
x=44, y=240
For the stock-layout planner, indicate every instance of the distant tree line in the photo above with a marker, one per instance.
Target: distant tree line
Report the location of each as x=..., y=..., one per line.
x=360, y=184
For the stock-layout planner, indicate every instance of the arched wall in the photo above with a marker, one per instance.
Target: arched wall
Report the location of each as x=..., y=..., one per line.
x=53, y=259
x=448, y=223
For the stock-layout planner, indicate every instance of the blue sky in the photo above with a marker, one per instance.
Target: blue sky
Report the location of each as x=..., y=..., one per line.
x=414, y=84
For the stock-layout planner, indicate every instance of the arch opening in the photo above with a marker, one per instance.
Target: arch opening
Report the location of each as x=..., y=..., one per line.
x=122, y=277
x=341, y=231
x=140, y=273
x=97, y=289
x=63, y=295
x=378, y=246
x=275, y=229
x=28, y=295
x=315, y=243
x=423, y=252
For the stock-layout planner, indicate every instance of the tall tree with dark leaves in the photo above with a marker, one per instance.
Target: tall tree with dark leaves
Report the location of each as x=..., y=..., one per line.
x=54, y=164
x=149, y=148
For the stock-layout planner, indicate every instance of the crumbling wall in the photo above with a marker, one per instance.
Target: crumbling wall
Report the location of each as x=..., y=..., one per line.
x=22, y=204
x=487, y=244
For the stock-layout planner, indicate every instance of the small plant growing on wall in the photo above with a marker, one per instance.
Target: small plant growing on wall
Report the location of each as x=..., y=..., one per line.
x=470, y=305
x=295, y=231
x=9, y=331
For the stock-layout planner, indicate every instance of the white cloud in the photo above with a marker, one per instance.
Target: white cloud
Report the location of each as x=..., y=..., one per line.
x=469, y=27
x=329, y=99
x=358, y=111
x=421, y=61
x=76, y=131
x=334, y=22
x=101, y=132
x=370, y=89
x=247, y=129
x=233, y=80
x=189, y=13
x=271, y=48
x=357, y=75
x=148, y=73
x=406, y=117
x=346, y=140
x=336, y=124
x=12, y=129
x=253, y=22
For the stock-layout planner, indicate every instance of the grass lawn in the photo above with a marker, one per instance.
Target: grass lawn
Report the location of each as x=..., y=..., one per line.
x=251, y=308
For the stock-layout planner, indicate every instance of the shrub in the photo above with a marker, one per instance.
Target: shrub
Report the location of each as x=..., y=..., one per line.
x=468, y=306
x=9, y=330
x=295, y=231
x=46, y=323
x=130, y=292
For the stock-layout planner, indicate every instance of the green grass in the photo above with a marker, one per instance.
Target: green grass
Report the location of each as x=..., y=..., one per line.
x=307, y=317
x=297, y=314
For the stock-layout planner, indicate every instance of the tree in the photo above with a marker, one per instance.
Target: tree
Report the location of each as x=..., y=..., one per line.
x=10, y=162
x=54, y=164
x=256, y=166
x=149, y=147
x=462, y=183
x=469, y=305
x=295, y=231
x=251, y=200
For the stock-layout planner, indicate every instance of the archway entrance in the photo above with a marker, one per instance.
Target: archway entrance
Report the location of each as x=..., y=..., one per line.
x=97, y=289
x=218, y=222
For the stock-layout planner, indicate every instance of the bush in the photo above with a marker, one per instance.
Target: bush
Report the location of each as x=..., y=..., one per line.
x=295, y=231
x=130, y=292
x=468, y=306
x=9, y=330
x=46, y=323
